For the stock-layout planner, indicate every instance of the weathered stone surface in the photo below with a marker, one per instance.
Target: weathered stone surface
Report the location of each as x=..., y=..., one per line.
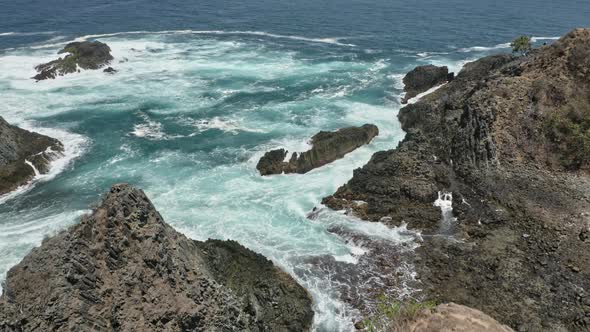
x=124, y=269
x=451, y=317
x=18, y=147
x=422, y=78
x=505, y=138
x=81, y=55
x=326, y=147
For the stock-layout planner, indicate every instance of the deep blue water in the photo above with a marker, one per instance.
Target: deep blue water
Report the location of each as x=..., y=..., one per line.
x=203, y=89
x=425, y=25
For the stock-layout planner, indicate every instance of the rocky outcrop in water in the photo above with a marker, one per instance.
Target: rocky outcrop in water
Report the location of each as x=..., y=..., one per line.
x=509, y=138
x=326, y=147
x=22, y=154
x=122, y=268
x=422, y=78
x=81, y=55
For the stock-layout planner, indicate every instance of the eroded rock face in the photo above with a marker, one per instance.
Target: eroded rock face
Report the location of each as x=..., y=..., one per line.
x=422, y=78
x=451, y=317
x=20, y=151
x=124, y=269
x=81, y=55
x=503, y=137
x=326, y=147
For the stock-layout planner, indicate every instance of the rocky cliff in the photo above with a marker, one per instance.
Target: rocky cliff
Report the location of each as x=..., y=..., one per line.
x=326, y=147
x=22, y=154
x=80, y=55
x=122, y=268
x=508, y=141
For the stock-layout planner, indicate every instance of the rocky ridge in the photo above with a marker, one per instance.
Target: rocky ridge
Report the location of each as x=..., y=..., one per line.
x=508, y=137
x=122, y=268
x=23, y=154
x=80, y=55
x=326, y=147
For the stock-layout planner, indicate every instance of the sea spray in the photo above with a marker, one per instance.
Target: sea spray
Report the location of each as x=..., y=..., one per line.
x=445, y=203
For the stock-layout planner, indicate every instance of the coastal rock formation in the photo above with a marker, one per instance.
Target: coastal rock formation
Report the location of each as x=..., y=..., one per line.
x=422, y=78
x=81, y=55
x=450, y=317
x=23, y=154
x=122, y=268
x=508, y=137
x=326, y=147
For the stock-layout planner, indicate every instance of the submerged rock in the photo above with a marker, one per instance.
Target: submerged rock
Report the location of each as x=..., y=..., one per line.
x=123, y=268
x=422, y=78
x=504, y=137
x=326, y=147
x=81, y=55
x=23, y=154
x=109, y=70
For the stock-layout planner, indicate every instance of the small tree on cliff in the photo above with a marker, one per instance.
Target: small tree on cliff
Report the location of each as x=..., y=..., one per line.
x=521, y=45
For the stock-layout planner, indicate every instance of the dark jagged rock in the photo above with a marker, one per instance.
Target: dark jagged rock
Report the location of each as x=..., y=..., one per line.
x=19, y=149
x=81, y=55
x=124, y=269
x=422, y=78
x=109, y=70
x=506, y=138
x=326, y=147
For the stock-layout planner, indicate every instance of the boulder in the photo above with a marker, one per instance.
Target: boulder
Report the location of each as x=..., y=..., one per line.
x=326, y=147
x=451, y=317
x=423, y=78
x=122, y=268
x=80, y=55
x=23, y=154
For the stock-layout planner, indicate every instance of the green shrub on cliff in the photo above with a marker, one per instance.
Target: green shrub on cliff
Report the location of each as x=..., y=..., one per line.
x=521, y=45
x=569, y=129
x=392, y=313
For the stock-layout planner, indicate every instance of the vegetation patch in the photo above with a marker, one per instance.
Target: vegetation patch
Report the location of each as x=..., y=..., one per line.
x=392, y=314
x=568, y=128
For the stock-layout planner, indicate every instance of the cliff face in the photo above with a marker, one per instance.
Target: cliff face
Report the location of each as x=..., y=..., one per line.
x=20, y=151
x=124, y=269
x=326, y=147
x=509, y=138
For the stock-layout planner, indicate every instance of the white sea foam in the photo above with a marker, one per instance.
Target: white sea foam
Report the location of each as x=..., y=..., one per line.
x=11, y=33
x=484, y=48
x=333, y=41
x=536, y=39
x=35, y=170
x=425, y=93
x=148, y=129
x=232, y=126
